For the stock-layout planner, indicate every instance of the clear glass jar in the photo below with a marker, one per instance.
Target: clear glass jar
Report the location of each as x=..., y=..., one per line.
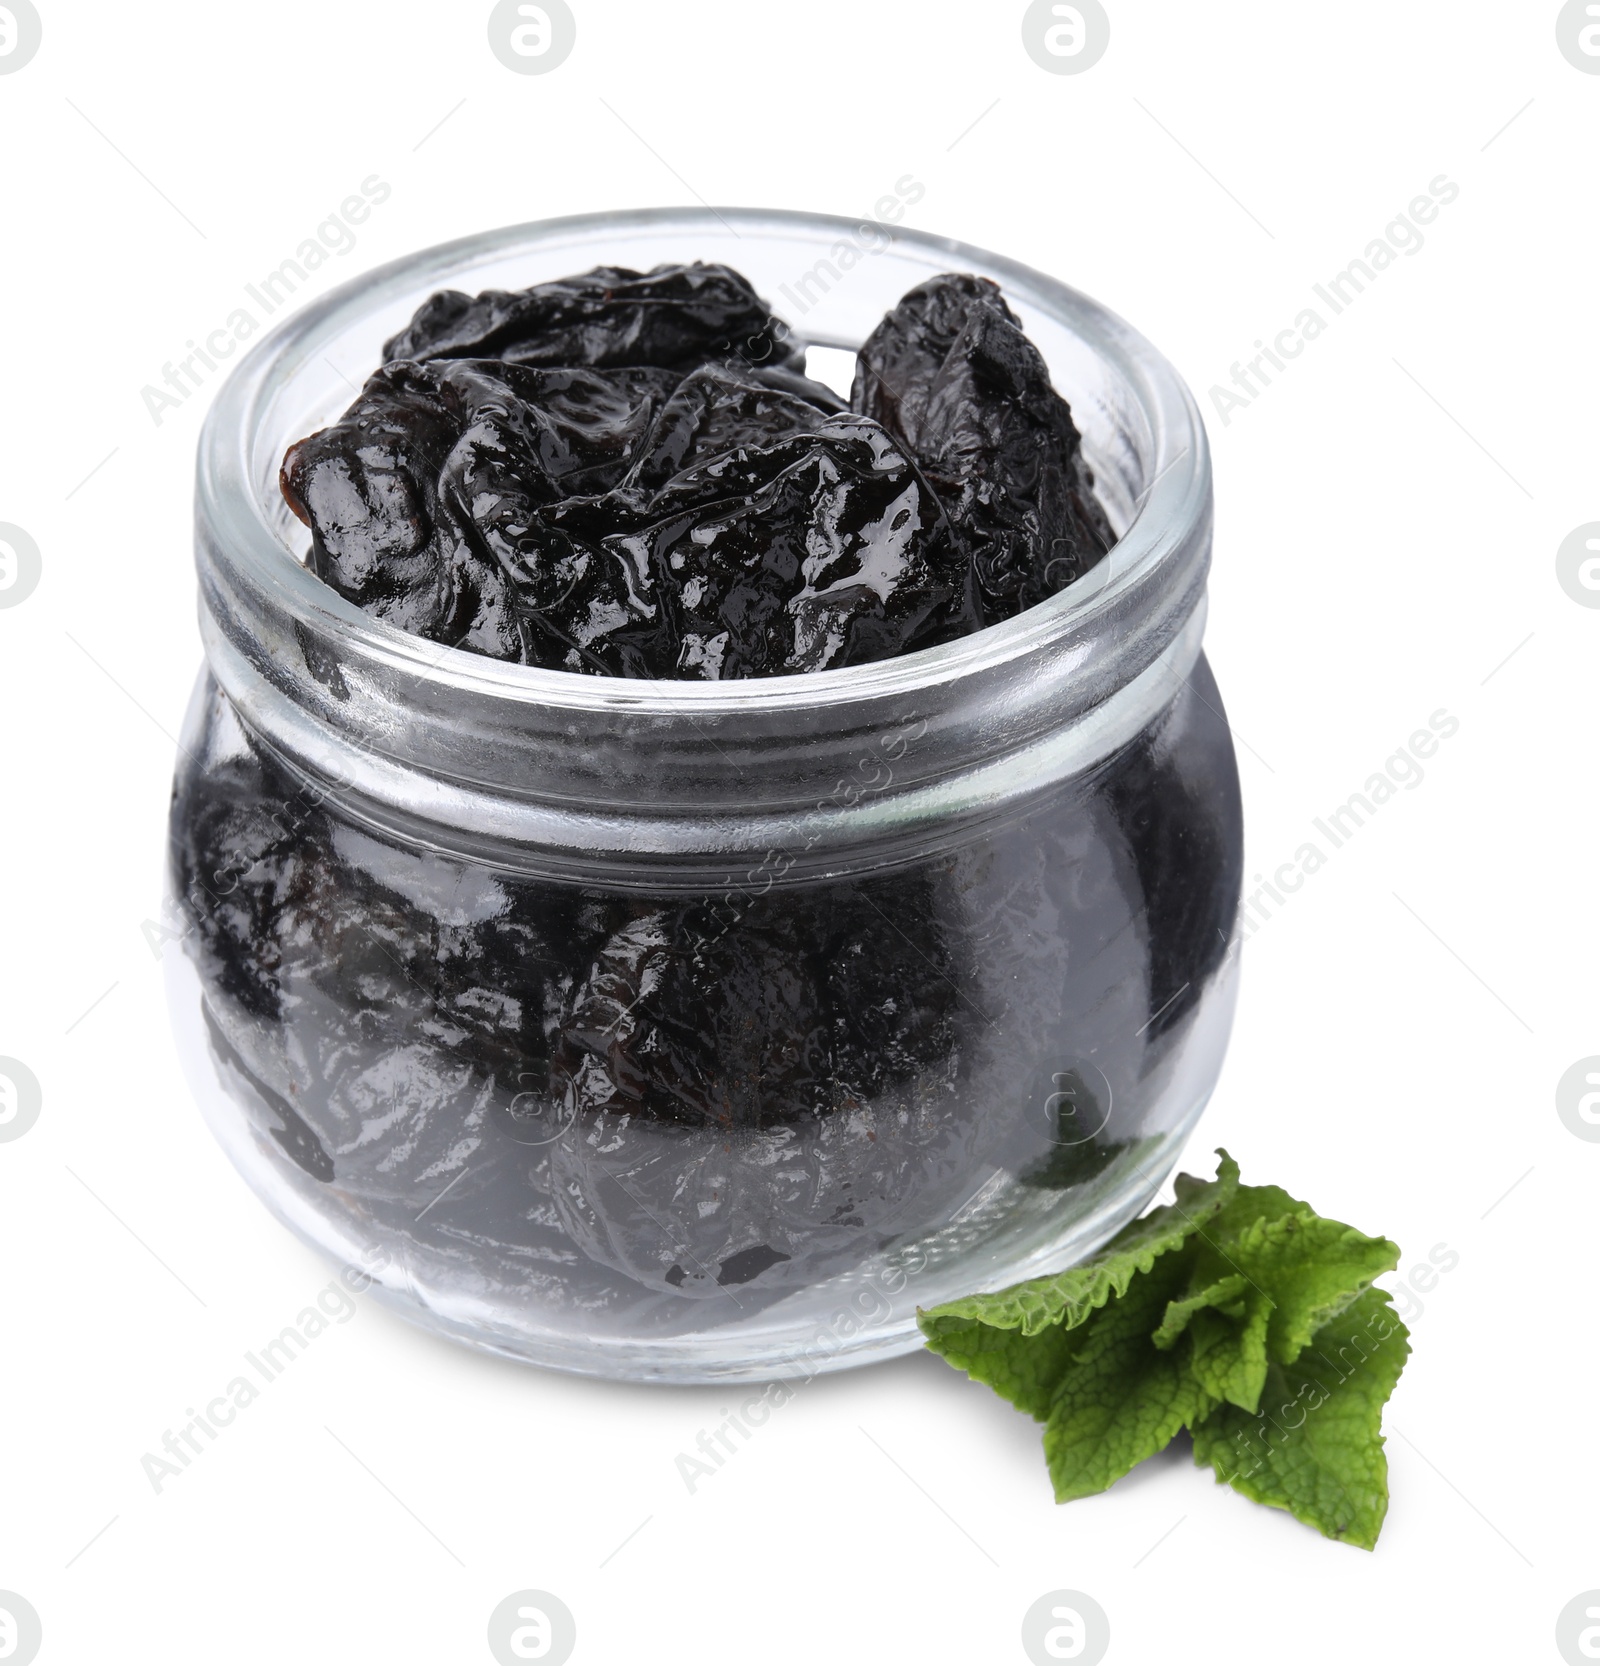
x=693, y=1031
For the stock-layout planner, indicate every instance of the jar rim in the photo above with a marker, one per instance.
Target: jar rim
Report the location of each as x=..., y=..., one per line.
x=262, y=609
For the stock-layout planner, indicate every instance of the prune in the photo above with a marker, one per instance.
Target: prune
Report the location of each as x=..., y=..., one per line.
x=791, y=1075
x=417, y=499
x=716, y=409
x=823, y=548
x=950, y=373
x=676, y=317
x=1174, y=814
x=627, y=474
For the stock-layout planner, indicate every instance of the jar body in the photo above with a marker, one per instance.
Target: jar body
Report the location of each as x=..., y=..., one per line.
x=683, y=1132
x=687, y=1031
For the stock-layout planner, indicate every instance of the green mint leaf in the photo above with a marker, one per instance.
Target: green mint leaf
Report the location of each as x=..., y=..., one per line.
x=1069, y=1297
x=1226, y=1295
x=1315, y=1269
x=1268, y=1273
x=1315, y=1448
x=1312, y=1268
x=1224, y=1328
x=1018, y=1340
x=1119, y=1399
x=1021, y=1368
x=1236, y=1312
x=1072, y=1165
x=1228, y=1354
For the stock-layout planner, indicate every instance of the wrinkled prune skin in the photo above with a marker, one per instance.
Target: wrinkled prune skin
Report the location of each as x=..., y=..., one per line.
x=788, y=1064
x=627, y=474
x=420, y=498
x=758, y=1014
x=676, y=317
x=950, y=373
x=824, y=548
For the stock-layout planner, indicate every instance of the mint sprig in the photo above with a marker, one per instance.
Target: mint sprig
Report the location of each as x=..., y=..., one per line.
x=1236, y=1312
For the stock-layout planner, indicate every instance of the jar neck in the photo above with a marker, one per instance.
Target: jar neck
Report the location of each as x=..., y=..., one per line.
x=916, y=774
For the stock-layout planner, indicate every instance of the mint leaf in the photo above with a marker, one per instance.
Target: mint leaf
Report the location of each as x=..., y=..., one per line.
x=1267, y=1274
x=1227, y=1296
x=1119, y=1399
x=1022, y=1368
x=1315, y=1269
x=1017, y=1340
x=1237, y=1312
x=1311, y=1268
x=1070, y=1296
x=1228, y=1354
x=1315, y=1449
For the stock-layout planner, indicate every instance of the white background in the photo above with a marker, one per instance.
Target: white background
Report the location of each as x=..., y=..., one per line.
x=1388, y=517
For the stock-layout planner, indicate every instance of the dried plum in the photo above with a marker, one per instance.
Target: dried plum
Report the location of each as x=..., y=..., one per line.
x=950, y=373
x=627, y=474
x=824, y=548
x=676, y=317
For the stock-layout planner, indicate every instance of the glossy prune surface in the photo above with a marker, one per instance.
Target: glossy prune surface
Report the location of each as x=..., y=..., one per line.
x=628, y=474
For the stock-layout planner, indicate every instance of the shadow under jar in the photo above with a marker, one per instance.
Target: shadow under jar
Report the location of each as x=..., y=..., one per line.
x=691, y=1031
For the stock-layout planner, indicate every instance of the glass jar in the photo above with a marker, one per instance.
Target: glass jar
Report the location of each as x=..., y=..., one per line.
x=691, y=1031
